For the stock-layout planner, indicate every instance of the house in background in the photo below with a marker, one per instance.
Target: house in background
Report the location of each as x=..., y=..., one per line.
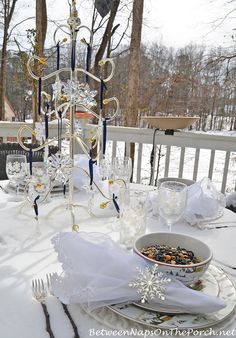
x=9, y=116
x=9, y=111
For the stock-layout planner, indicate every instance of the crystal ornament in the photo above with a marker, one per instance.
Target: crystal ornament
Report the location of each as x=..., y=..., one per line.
x=38, y=185
x=39, y=132
x=78, y=129
x=74, y=22
x=60, y=167
x=57, y=87
x=78, y=93
x=150, y=283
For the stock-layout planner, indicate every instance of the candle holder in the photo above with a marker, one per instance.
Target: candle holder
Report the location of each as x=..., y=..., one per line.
x=66, y=96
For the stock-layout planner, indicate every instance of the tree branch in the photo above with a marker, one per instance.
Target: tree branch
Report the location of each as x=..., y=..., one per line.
x=107, y=34
x=19, y=23
x=124, y=33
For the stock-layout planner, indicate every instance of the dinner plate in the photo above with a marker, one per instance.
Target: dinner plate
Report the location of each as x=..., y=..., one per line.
x=202, y=221
x=57, y=190
x=208, y=285
x=166, y=321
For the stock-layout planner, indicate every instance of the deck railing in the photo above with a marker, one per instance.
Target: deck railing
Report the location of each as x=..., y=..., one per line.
x=185, y=154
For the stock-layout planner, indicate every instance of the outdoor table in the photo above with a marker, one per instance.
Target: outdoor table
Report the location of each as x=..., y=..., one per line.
x=26, y=252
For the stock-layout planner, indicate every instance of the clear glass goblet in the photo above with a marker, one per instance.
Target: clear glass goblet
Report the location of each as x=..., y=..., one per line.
x=39, y=183
x=172, y=199
x=105, y=169
x=122, y=168
x=16, y=170
x=133, y=217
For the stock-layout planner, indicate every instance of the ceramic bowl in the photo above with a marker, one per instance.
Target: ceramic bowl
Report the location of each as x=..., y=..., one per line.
x=187, y=274
x=170, y=122
x=181, y=180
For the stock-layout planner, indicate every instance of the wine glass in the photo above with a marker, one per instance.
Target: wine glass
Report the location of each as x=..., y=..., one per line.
x=172, y=199
x=105, y=169
x=39, y=183
x=16, y=170
x=132, y=217
x=122, y=168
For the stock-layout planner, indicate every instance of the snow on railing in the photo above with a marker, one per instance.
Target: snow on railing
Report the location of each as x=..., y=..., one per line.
x=188, y=155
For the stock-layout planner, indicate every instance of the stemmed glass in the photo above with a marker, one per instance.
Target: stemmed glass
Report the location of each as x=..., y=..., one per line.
x=16, y=169
x=172, y=199
x=132, y=216
x=39, y=183
x=122, y=168
x=105, y=169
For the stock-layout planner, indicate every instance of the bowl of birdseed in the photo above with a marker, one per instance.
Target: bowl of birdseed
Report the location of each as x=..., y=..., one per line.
x=184, y=257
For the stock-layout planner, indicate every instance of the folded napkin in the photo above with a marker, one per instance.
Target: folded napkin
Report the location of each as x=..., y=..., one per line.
x=80, y=178
x=203, y=201
x=3, y=199
x=97, y=272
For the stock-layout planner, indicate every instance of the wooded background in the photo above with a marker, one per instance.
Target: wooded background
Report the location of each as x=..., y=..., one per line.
x=193, y=80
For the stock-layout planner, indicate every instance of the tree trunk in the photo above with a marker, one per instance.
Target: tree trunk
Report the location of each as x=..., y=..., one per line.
x=8, y=8
x=41, y=25
x=41, y=30
x=134, y=65
x=3, y=78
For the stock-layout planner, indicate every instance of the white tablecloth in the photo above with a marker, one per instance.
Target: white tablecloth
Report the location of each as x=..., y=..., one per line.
x=26, y=253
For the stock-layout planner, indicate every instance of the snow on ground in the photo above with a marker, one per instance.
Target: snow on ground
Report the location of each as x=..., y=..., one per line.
x=188, y=162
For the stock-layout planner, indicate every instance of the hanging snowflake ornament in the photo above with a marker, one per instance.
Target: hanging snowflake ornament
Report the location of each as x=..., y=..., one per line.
x=78, y=129
x=79, y=93
x=150, y=283
x=39, y=132
x=60, y=167
x=57, y=87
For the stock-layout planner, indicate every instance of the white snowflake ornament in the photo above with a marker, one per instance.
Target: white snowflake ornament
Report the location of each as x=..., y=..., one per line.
x=79, y=93
x=57, y=87
x=39, y=132
x=60, y=167
x=150, y=283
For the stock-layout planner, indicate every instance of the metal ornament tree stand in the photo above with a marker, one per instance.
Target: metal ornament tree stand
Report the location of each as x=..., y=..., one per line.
x=66, y=96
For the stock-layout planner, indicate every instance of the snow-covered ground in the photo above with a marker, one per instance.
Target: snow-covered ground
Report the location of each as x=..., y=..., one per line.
x=188, y=162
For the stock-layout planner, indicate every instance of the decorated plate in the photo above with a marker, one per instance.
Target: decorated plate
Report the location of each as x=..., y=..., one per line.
x=57, y=190
x=208, y=285
x=165, y=321
x=202, y=222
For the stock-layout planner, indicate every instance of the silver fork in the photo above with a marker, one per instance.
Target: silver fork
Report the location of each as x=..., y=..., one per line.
x=40, y=294
x=3, y=189
x=65, y=308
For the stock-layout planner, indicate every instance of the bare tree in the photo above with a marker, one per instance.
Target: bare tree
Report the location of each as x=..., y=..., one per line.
x=107, y=34
x=134, y=64
x=41, y=25
x=41, y=30
x=7, y=8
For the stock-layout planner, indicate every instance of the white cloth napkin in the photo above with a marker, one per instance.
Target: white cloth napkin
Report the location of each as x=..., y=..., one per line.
x=3, y=199
x=203, y=201
x=97, y=272
x=80, y=178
